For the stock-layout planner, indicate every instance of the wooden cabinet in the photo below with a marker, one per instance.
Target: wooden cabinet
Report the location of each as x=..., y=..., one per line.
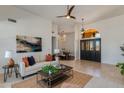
x=90, y=49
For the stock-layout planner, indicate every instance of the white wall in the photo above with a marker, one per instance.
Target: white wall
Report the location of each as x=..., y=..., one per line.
x=55, y=33
x=68, y=43
x=77, y=41
x=30, y=26
x=112, y=34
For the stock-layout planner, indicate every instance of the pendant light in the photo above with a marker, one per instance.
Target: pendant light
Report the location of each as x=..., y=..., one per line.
x=82, y=29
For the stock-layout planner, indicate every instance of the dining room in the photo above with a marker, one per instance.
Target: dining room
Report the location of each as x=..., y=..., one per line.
x=66, y=46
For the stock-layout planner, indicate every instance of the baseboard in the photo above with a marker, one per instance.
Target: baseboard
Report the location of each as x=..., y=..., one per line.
x=108, y=62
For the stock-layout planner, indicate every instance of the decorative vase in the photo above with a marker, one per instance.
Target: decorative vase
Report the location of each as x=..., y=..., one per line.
x=50, y=72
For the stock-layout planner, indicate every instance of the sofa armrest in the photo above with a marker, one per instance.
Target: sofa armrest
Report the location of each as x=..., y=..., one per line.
x=22, y=68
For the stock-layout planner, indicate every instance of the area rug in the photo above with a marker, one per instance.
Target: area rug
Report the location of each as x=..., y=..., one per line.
x=97, y=82
x=10, y=80
x=78, y=79
x=1, y=78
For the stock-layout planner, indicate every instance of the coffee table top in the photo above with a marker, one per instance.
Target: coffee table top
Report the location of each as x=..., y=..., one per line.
x=63, y=68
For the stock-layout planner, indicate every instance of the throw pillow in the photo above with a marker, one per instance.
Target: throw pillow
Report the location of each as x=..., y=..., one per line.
x=25, y=60
x=31, y=60
x=49, y=57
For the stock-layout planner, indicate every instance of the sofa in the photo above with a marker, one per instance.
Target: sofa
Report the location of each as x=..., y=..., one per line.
x=26, y=71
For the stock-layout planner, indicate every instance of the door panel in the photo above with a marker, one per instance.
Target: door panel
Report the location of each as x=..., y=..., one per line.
x=91, y=49
x=97, y=45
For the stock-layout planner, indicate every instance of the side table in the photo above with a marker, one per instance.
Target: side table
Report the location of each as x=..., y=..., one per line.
x=7, y=72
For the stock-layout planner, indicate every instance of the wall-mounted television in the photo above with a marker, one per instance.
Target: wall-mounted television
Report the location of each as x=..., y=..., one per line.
x=28, y=44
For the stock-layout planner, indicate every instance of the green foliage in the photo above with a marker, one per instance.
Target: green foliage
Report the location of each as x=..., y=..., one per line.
x=50, y=68
x=121, y=65
x=122, y=48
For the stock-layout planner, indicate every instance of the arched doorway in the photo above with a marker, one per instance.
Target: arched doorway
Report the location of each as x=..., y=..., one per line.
x=90, y=45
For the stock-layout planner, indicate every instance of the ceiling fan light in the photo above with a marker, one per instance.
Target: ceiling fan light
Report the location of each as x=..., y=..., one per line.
x=68, y=17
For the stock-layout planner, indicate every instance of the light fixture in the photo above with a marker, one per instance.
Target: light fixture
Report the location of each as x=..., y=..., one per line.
x=57, y=51
x=8, y=55
x=82, y=29
x=68, y=17
x=64, y=36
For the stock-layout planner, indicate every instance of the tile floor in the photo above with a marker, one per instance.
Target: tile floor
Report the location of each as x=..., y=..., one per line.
x=94, y=69
x=97, y=70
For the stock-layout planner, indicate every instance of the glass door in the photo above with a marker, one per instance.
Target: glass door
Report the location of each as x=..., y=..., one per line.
x=98, y=50
x=83, y=49
x=82, y=46
x=87, y=45
x=97, y=45
x=91, y=49
x=91, y=45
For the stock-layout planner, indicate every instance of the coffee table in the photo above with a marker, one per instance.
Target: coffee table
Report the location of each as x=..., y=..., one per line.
x=50, y=80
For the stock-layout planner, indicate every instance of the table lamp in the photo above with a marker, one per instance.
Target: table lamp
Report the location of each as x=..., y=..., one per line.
x=57, y=51
x=8, y=55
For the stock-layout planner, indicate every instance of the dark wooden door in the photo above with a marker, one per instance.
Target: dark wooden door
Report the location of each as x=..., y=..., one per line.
x=90, y=49
x=98, y=50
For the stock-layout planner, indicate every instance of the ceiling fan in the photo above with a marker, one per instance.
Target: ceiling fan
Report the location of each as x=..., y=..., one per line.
x=69, y=11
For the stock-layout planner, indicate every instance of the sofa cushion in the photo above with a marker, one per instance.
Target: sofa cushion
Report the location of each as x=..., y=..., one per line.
x=31, y=60
x=37, y=66
x=33, y=68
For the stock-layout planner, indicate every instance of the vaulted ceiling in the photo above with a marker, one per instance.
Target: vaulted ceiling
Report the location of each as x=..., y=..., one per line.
x=90, y=13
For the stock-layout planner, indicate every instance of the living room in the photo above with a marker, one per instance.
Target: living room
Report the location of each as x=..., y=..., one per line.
x=37, y=21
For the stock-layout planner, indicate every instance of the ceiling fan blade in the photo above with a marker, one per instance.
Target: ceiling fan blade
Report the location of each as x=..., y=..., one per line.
x=67, y=7
x=73, y=17
x=62, y=16
x=70, y=10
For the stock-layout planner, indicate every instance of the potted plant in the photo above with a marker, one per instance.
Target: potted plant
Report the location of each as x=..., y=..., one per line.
x=50, y=69
x=121, y=65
